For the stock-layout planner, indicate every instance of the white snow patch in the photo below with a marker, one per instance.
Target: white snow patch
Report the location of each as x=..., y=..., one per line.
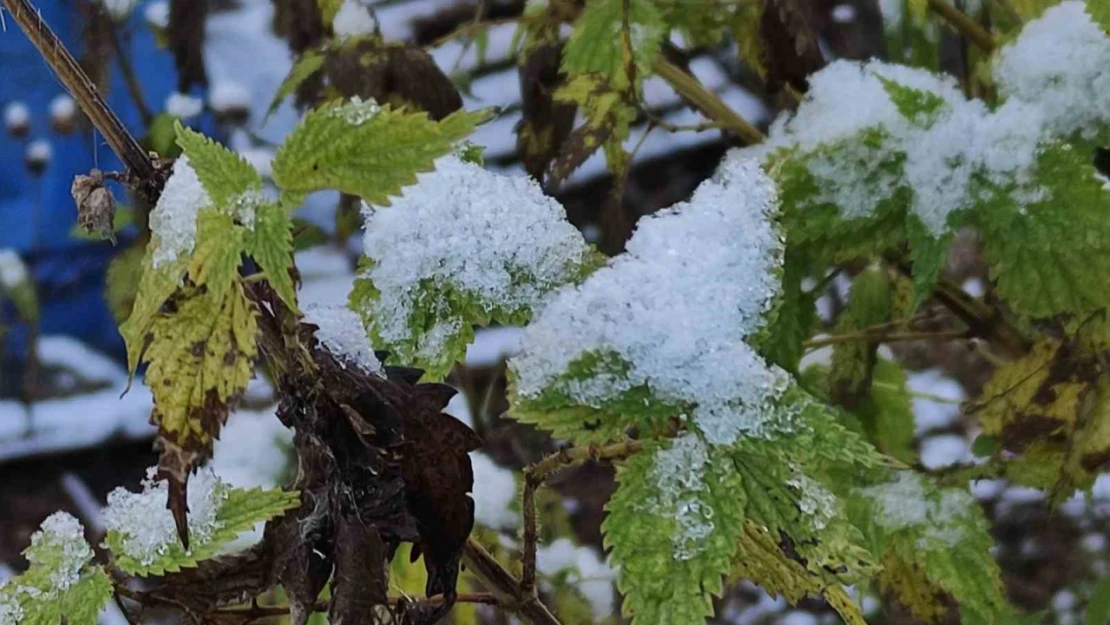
x=16, y=115
x=252, y=450
x=13, y=272
x=494, y=494
x=930, y=414
x=679, y=470
x=341, y=332
x=496, y=238
x=40, y=150
x=944, y=450
x=354, y=18
x=157, y=14
x=228, y=95
x=492, y=346
x=173, y=221
x=183, y=106
x=715, y=257
x=119, y=9
x=147, y=527
x=904, y=502
x=585, y=570
x=62, y=108
x=60, y=535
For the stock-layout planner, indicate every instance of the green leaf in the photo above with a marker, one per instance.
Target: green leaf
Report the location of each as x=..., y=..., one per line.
x=928, y=254
x=270, y=243
x=216, y=257
x=793, y=319
x=984, y=445
x=869, y=303
x=939, y=539
x=61, y=581
x=1050, y=256
x=328, y=9
x=1099, y=10
x=600, y=41
x=923, y=108
x=672, y=527
x=305, y=67
x=224, y=174
x=365, y=150
x=1098, y=608
x=240, y=511
x=155, y=287
x=125, y=272
x=887, y=411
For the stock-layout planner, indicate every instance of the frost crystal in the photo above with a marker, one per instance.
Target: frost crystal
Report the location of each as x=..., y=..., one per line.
x=147, y=527
x=679, y=471
x=12, y=270
x=904, y=502
x=496, y=238
x=183, y=106
x=174, y=219
x=342, y=334
x=352, y=19
x=695, y=282
x=60, y=546
x=815, y=501
x=357, y=111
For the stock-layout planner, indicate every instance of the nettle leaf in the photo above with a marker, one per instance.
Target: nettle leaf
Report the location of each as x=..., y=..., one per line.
x=1050, y=256
x=886, y=412
x=306, y=67
x=919, y=106
x=673, y=526
x=225, y=175
x=609, y=116
x=270, y=244
x=1099, y=10
x=611, y=42
x=364, y=149
x=155, y=286
x=793, y=319
x=201, y=355
x=931, y=540
x=62, y=584
x=141, y=534
x=869, y=304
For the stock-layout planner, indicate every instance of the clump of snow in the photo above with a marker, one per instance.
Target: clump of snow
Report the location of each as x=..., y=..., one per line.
x=145, y=525
x=60, y=545
x=496, y=238
x=10, y=610
x=13, y=272
x=354, y=18
x=16, y=115
x=357, y=111
x=183, y=106
x=40, y=151
x=62, y=108
x=173, y=221
x=341, y=333
x=944, y=450
x=814, y=500
x=936, y=401
x=1060, y=63
x=679, y=471
x=227, y=95
x=119, y=9
x=716, y=259
x=494, y=493
x=157, y=14
x=904, y=502
x=585, y=570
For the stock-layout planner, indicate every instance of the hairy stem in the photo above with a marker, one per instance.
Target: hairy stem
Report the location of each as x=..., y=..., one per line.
x=966, y=26
x=505, y=586
x=707, y=102
x=888, y=337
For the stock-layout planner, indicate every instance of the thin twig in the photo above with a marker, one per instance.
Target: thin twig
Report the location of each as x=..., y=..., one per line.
x=706, y=101
x=966, y=26
x=505, y=586
x=129, y=77
x=892, y=337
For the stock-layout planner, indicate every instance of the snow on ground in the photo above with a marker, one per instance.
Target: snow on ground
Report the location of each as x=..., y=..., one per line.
x=585, y=570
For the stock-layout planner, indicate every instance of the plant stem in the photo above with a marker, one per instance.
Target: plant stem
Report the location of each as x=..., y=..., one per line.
x=708, y=102
x=129, y=77
x=966, y=26
x=505, y=587
x=893, y=337
x=84, y=92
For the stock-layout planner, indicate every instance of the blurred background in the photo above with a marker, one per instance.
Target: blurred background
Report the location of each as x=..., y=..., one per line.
x=67, y=436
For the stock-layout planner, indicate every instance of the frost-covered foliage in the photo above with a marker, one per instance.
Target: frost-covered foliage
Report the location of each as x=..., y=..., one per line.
x=668, y=321
x=462, y=246
x=904, y=503
x=340, y=331
x=146, y=528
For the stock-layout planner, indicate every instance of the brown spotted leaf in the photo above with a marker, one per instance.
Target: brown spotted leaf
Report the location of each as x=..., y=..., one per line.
x=545, y=123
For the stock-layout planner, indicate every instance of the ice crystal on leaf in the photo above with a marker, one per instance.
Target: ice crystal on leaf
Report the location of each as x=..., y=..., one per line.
x=341, y=333
x=679, y=471
x=672, y=314
x=905, y=503
x=463, y=246
x=60, y=544
x=147, y=527
x=357, y=111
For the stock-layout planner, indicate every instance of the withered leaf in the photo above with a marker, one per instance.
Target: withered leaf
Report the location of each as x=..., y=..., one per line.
x=359, y=584
x=545, y=122
x=792, y=51
x=399, y=74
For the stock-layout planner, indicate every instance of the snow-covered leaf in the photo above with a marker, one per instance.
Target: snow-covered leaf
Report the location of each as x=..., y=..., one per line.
x=365, y=149
x=141, y=531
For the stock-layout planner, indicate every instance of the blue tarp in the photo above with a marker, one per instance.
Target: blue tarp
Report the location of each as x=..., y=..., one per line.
x=37, y=214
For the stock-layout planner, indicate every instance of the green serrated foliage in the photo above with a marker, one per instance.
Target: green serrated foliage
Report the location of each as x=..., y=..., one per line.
x=556, y=410
x=869, y=304
x=1099, y=10
x=61, y=585
x=306, y=67
x=1051, y=256
x=215, y=260
x=201, y=355
x=700, y=24
x=886, y=413
x=1098, y=608
x=239, y=512
x=366, y=150
x=224, y=174
x=270, y=244
x=745, y=24
x=923, y=108
x=616, y=43
x=672, y=527
x=931, y=540
x=928, y=254
x=155, y=287
x=793, y=319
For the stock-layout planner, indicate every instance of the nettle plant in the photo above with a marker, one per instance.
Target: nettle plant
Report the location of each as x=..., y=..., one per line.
x=679, y=359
